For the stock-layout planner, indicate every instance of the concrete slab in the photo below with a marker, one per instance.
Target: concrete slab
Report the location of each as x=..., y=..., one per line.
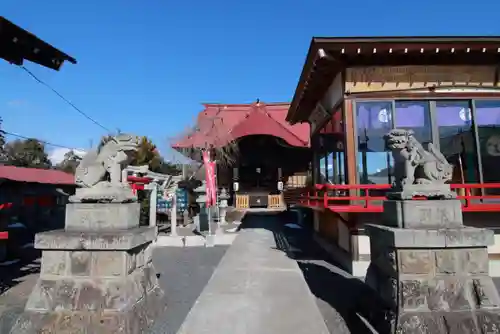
x=255, y=289
x=169, y=241
x=194, y=240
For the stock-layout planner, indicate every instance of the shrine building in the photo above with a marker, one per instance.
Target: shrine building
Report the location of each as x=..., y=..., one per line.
x=258, y=154
x=352, y=91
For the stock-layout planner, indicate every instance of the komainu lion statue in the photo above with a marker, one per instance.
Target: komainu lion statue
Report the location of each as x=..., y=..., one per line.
x=413, y=164
x=100, y=172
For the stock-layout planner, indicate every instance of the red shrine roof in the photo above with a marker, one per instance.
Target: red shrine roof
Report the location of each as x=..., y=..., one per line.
x=219, y=124
x=34, y=175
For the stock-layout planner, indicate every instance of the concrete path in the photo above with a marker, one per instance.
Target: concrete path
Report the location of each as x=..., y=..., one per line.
x=184, y=272
x=255, y=289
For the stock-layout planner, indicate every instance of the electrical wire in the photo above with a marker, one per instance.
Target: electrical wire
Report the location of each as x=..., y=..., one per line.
x=39, y=140
x=65, y=100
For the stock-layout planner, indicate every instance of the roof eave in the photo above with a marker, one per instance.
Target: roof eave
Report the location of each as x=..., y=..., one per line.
x=306, y=69
x=319, y=43
x=19, y=45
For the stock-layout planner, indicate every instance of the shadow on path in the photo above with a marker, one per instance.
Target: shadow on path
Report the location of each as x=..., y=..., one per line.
x=14, y=274
x=344, y=301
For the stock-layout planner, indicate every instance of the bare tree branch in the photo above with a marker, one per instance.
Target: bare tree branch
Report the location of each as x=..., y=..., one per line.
x=218, y=139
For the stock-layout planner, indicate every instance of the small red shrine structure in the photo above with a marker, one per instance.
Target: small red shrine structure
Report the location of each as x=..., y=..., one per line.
x=263, y=151
x=352, y=91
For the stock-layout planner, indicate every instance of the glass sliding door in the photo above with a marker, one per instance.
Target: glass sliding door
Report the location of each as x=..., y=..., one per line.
x=488, y=128
x=373, y=121
x=457, y=140
x=415, y=116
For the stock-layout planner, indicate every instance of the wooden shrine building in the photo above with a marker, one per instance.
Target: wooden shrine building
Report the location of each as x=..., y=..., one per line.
x=258, y=154
x=352, y=91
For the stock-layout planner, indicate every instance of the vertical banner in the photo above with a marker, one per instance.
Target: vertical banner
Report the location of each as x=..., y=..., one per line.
x=210, y=179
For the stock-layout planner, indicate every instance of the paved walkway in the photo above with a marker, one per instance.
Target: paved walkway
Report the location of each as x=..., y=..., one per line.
x=255, y=289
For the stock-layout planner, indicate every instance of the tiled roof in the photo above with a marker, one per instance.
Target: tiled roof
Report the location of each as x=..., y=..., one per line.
x=46, y=176
x=218, y=124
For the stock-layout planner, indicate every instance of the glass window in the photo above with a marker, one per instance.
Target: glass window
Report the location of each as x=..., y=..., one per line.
x=414, y=115
x=488, y=128
x=333, y=136
x=373, y=121
x=456, y=139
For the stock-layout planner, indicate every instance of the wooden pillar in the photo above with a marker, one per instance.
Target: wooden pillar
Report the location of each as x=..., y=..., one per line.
x=350, y=142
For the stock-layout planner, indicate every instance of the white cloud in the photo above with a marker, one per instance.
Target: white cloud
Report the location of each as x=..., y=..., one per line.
x=17, y=103
x=57, y=154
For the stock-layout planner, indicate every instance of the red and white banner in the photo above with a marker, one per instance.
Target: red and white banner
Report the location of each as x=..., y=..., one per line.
x=210, y=179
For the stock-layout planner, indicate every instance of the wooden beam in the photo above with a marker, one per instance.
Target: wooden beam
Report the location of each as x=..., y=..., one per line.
x=350, y=142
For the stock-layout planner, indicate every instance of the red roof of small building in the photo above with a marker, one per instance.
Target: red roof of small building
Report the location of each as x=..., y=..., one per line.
x=34, y=175
x=219, y=124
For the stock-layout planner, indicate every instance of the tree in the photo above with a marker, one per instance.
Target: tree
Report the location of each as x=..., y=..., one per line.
x=221, y=143
x=27, y=153
x=147, y=154
x=70, y=162
x=3, y=156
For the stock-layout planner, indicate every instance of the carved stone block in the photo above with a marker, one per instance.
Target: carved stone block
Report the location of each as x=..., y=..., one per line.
x=123, y=304
x=420, y=323
x=430, y=238
x=54, y=263
x=90, y=240
x=101, y=216
x=475, y=261
x=423, y=214
x=448, y=294
x=415, y=261
x=447, y=261
x=413, y=295
x=484, y=293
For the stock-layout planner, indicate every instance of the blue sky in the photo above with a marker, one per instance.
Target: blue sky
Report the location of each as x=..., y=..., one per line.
x=145, y=66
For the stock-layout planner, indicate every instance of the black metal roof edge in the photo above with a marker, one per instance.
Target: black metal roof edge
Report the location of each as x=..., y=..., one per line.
x=405, y=39
x=28, y=39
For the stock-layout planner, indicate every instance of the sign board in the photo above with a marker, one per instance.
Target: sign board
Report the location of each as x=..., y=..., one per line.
x=385, y=78
x=165, y=204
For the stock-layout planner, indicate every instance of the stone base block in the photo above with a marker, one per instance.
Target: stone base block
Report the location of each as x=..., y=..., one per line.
x=104, y=192
x=423, y=214
x=429, y=238
x=430, y=191
x=460, y=322
x=101, y=216
x=95, y=240
x=125, y=305
x=432, y=281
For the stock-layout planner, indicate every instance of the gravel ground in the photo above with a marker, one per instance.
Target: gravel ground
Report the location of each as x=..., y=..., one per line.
x=184, y=272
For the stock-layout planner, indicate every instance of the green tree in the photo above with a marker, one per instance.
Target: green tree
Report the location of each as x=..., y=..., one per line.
x=3, y=156
x=70, y=162
x=27, y=153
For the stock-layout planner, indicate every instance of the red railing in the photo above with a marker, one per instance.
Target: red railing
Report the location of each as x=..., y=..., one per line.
x=4, y=235
x=360, y=197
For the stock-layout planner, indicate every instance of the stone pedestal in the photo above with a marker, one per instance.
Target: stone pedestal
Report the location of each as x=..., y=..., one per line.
x=97, y=274
x=432, y=277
